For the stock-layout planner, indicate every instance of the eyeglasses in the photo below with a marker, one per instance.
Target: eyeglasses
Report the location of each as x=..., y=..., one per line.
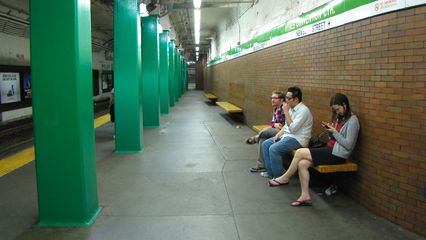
x=275, y=98
x=288, y=98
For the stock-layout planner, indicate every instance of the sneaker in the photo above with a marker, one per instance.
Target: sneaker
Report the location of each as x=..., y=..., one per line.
x=331, y=190
x=251, y=140
x=257, y=169
x=265, y=174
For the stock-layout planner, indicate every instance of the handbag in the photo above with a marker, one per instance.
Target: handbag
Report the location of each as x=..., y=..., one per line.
x=319, y=141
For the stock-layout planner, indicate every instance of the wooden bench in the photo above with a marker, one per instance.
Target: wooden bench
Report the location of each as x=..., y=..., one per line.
x=210, y=97
x=258, y=128
x=229, y=107
x=344, y=167
x=348, y=166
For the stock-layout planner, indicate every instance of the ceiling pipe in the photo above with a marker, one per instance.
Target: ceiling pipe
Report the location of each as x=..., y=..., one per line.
x=14, y=19
x=15, y=9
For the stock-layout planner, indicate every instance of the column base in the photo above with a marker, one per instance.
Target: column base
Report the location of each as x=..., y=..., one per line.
x=128, y=151
x=87, y=223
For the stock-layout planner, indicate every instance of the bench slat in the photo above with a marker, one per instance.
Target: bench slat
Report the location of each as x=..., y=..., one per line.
x=229, y=107
x=210, y=96
x=344, y=167
x=259, y=128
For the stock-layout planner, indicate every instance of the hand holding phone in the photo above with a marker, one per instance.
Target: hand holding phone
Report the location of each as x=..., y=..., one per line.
x=325, y=124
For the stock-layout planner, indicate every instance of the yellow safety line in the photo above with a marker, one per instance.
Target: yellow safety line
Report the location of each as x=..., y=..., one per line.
x=102, y=120
x=18, y=160
x=25, y=156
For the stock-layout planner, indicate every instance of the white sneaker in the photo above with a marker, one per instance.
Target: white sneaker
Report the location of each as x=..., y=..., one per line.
x=331, y=190
x=265, y=174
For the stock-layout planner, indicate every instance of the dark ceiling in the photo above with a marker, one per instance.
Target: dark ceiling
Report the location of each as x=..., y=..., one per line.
x=14, y=20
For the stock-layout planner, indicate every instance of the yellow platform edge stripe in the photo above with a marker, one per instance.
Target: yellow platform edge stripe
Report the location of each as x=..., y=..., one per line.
x=26, y=156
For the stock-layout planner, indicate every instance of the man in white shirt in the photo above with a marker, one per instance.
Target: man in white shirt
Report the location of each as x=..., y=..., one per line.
x=295, y=133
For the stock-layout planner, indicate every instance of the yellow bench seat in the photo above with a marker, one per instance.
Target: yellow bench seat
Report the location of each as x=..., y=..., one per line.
x=229, y=107
x=210, y=96
x=259, y=128
x=348, y=166
x=344, y=167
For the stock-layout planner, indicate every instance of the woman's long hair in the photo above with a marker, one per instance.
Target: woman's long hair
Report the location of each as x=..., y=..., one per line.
x=342, y=100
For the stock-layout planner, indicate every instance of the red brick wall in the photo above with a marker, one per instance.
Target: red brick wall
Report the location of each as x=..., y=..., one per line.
x=380, y=64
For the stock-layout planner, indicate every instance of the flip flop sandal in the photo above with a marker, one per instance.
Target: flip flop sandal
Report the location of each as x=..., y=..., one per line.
x=301, y=203
x=275, y=183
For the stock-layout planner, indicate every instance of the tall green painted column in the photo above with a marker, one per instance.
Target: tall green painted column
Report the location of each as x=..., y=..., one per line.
x=164, y=72
x=172, y=93
x=183, y=75
x=185, y=67
x=61, y=68
x=177, y=72
x=150, y=76
x=180, y=76
x=127, y=77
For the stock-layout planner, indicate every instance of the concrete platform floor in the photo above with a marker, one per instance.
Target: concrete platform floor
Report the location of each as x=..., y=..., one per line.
x=191, y=182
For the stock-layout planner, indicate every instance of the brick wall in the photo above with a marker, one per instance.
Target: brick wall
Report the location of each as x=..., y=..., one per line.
x=380, y=64
x=199, y=73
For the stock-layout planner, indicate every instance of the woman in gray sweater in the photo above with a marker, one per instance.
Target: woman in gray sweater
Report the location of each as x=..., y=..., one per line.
x=343, y=136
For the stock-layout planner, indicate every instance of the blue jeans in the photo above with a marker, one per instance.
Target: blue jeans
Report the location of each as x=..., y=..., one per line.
x=273, y=152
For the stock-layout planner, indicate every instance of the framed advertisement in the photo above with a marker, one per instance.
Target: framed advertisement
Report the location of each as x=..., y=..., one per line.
x=10, y=87
x=27, y=86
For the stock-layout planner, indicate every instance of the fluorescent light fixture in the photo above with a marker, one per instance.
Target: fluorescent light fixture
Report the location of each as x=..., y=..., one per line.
x=197, y=3
x=197, y=19
x=197, y=37
x=197, y=48
x=197, y=24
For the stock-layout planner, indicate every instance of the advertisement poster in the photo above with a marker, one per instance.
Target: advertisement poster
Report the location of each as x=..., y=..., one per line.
x=27, y=86
x=104, y=81
x=10, y=89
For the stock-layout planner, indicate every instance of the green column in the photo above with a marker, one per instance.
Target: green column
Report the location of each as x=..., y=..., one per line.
x=172, y=73
x=177, y=74
x=186, y=74
x=183, y=76
x=127, y=77
x=164, y=72
x=151, y=92
x=61, y=68
x=180, y=76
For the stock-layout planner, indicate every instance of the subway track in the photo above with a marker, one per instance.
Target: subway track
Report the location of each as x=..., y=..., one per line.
x=19, y=134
